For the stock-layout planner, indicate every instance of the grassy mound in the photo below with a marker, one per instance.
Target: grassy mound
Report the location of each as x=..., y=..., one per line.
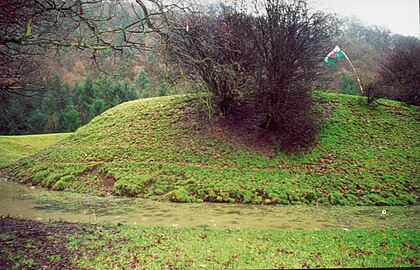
x=157, y=148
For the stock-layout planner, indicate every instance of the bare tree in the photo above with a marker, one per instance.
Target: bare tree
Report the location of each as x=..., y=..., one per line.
x=400, y=71
x=290, y=41
x=269, y=57
x=210, y=46
x=31, y=28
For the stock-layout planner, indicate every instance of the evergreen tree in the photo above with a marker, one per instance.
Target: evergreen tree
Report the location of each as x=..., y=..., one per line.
x=52, y=124
x=36, y=122
x=102, y=90
x=53, y=111
x=348, y=85
x=56, y=97
x=163, y=89
x=13, y=113
x=98, y=107
x=16, y=122
x=129, y=93
x=71, y=120
x=115, y=91
x=85, y=100
x=143, y=82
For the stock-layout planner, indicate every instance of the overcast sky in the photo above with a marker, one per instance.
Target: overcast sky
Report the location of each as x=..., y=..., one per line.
x=399, y=16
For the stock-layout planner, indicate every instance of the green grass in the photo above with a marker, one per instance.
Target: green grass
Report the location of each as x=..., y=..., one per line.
x=156, y=148
x=89, y=246
x=13, y=148
x=156, y=248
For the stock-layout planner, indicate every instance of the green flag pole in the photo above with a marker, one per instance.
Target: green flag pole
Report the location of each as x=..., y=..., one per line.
x=357, y=76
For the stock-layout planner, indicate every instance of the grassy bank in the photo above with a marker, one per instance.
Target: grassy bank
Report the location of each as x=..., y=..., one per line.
x=13, y=148
x=60, y=244
x=158, y=148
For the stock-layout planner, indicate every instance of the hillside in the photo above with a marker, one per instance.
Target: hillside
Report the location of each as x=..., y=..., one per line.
x=157, y=148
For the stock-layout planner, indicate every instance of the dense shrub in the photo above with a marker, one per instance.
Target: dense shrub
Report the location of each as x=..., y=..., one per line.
x=269, y=60
x=290, y=41
x=400, y=72
x=348, y=85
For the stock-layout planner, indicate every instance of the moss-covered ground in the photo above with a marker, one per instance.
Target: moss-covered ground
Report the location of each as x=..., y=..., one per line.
x=158, y=148
x=61, y=245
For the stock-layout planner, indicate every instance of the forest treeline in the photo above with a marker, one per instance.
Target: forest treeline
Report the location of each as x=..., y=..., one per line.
x=271, y=61
x=61, y=107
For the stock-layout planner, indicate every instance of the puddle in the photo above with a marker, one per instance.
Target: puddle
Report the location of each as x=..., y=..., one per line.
x=39, y=204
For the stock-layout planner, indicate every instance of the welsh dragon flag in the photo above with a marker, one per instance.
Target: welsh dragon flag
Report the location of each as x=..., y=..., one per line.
x=333, y=56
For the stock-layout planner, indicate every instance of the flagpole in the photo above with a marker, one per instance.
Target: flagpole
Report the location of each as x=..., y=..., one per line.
x=357, y=76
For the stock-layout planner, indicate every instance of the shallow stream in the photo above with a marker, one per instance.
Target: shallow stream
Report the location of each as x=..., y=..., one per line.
x=39, y=204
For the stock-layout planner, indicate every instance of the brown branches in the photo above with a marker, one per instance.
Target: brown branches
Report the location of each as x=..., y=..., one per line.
x=32, y=27
x=269, y=60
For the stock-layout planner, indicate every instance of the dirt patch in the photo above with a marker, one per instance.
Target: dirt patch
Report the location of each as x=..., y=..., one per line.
x=36, y=245
x=107, y=183
x=242, y=127
x=245, y=128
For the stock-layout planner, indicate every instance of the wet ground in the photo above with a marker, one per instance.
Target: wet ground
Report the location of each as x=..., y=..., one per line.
x=27, y=244
x=39, y=204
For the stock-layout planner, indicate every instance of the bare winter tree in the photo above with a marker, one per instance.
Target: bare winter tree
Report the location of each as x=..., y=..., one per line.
x=400, y=73
x=269, y=57
x=291, y=41
x=211, y=46
x=30, y=28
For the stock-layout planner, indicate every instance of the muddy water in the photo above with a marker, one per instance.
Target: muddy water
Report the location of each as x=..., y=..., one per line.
x=39, y=204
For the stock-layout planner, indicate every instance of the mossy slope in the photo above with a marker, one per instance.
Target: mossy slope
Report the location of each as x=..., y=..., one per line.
x=156, y=148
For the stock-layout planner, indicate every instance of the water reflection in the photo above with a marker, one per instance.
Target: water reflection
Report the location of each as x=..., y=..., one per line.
x=39, y=204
